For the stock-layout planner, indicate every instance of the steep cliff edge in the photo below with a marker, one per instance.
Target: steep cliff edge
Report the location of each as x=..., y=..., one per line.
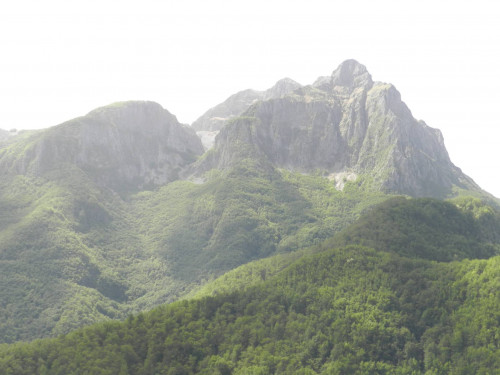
x=344, y=125
x=211, y=122
x=128, y=145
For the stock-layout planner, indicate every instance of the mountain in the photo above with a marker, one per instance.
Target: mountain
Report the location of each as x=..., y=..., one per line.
x=347, y=310
x=121, y=210
x=124, y=146
x=70, y=251
x=4, y=135
x=345, y=126
x=215, y=118
x=82, y=241
x=209, y=124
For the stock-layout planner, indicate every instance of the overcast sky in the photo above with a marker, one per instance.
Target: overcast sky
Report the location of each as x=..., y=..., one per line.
x=61, y=59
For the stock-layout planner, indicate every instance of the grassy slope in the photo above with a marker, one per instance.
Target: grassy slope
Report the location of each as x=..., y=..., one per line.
x=73, y=253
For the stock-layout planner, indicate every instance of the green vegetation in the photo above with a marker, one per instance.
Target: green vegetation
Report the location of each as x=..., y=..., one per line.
x=402, y=299
x=428, y=229
x=73, y=252
x=349, y=310
x=266, y=270
x=414, y=228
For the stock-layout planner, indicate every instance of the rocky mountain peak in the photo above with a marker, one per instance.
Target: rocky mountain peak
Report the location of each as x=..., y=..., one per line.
x=217, y=117
x=124, y=146
x=351, y=74
x=344, y=124
x=281, y=88
x=133, y=113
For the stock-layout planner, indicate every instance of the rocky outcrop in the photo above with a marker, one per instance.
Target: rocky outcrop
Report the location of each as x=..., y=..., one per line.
x=129, y=145
x=217, y=117
x=4, y=134
x=280, y=89
x=343, y=124
x=7, y=135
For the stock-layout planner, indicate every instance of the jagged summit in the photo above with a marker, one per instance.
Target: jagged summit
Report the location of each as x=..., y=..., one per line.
x=217, y=117
x=348, y=76
x=343, y=125
x=281, y=88
x=351, y=74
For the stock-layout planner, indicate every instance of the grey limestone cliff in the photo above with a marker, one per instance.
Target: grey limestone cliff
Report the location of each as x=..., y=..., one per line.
x=344, y=125
x=7, y=135
x=215, y=118
x=128, y=145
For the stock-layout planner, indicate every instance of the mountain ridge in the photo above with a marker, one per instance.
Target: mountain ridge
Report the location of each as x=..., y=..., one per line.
x=348, y=124
x=215, y=118
x=343, y=125
x=126, y=145
x=122, y=209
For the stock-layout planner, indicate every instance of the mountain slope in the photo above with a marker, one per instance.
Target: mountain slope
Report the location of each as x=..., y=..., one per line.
x=73, y=251
x=428, y=229
x=217, y=117
x=345, y=126
x=414, y=228
x=351, y=310
x=125, y=146
x=118, y=211
x=69, y=251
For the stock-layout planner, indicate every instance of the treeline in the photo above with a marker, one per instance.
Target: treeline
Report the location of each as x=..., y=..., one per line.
x=345, y=311
x=428, y=228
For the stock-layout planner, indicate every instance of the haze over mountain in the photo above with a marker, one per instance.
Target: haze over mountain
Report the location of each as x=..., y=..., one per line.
x=215, y=118
x=209, y=124
x=344, y=125
x=121, y=210
x=122, y=146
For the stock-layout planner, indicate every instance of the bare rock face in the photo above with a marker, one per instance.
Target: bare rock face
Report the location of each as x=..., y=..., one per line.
x=217, y=117
x=7, y=135
x=343, y=124
x=281, y=88
x=129, y=145
x=4, y=134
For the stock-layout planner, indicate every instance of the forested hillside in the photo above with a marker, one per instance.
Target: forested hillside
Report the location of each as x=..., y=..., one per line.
x=294, y=243
x=461, y=228
x=73, y=252
x=345, y=310
x=350, y=310
x=429, y=229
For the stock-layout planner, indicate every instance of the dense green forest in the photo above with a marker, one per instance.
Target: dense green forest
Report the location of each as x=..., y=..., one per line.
x=350, y=310
x=73, y=253
x=464, y=227
x=397, y=308
x=292, y=246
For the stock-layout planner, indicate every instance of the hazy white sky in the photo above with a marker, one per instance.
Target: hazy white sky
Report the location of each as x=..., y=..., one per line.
x=60, y=59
